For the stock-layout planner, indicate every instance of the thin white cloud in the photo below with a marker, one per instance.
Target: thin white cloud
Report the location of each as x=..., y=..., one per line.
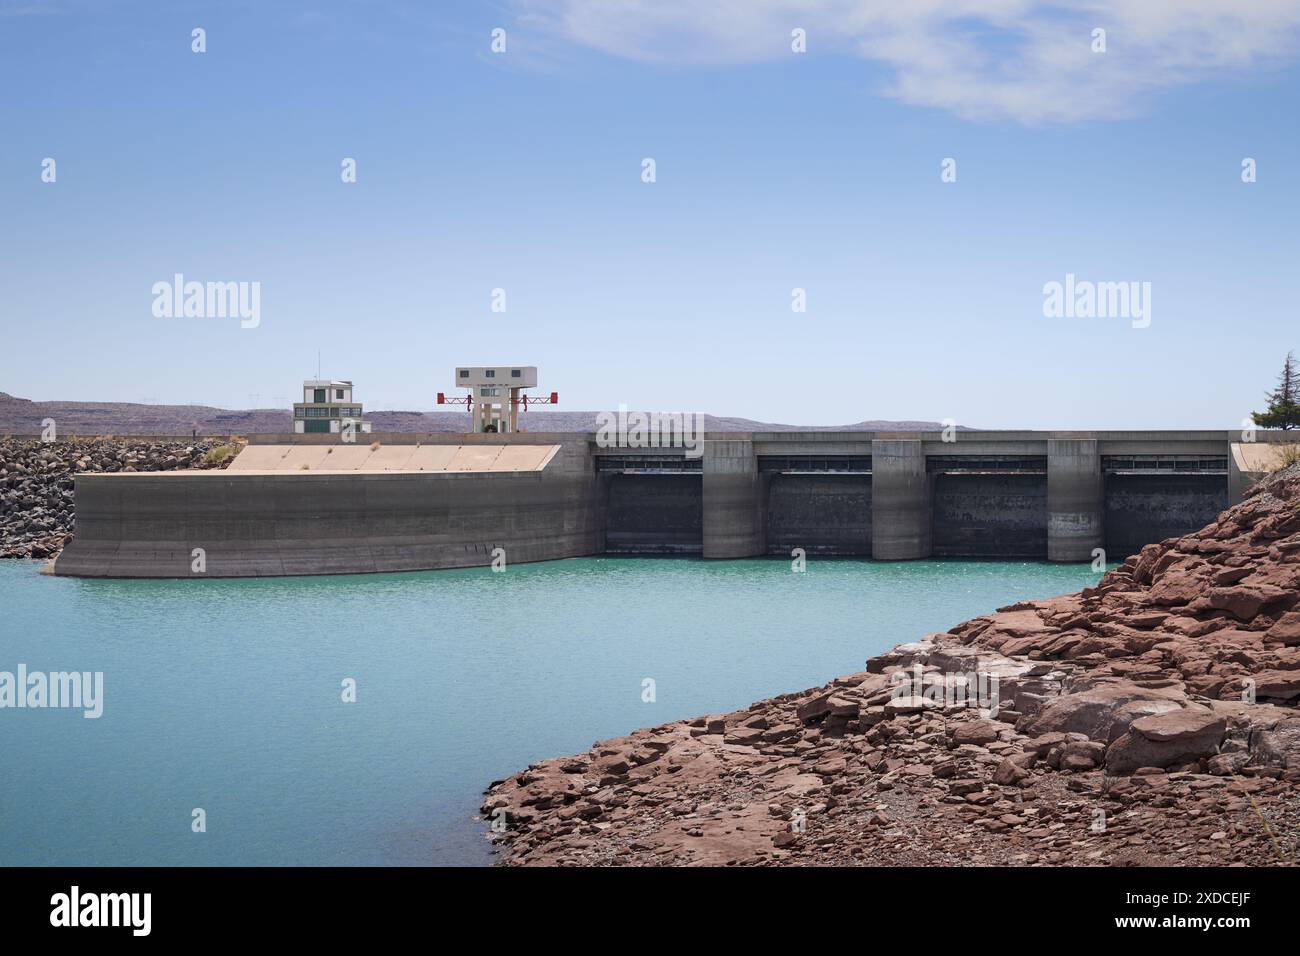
x=1025, y=60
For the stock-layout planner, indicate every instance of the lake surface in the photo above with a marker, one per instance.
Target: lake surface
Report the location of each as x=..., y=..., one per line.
x=227, y=695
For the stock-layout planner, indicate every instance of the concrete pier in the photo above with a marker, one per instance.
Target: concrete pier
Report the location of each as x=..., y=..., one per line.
x=1075, y=499
x=735, y=503
x=901, y=518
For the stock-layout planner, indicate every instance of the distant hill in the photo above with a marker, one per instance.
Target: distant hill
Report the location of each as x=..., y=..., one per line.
x=20, y=416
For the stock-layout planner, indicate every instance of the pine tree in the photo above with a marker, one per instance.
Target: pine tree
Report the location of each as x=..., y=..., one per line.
x=1284, y=401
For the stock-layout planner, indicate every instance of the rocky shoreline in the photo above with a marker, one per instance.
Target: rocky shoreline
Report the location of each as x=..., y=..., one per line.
x=37, y=511
x=1150, y=720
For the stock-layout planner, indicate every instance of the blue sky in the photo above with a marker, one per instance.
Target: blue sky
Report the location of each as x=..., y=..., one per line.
x=775, y=170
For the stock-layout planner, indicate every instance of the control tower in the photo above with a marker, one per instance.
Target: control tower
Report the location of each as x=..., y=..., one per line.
x=496, y=395
x=327, y=406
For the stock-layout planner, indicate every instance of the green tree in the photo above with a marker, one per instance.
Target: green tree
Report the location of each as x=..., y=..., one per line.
x=1284, y=401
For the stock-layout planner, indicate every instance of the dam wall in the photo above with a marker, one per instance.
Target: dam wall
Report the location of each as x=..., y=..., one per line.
x=308, y=504
x=252, y=523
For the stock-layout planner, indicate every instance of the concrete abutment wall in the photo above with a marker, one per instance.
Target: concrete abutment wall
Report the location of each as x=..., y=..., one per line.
x=260, y=524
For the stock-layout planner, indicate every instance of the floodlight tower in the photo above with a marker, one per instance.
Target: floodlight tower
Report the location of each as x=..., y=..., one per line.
x=495, y=395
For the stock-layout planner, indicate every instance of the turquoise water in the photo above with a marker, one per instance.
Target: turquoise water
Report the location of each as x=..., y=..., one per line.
x=226, y=695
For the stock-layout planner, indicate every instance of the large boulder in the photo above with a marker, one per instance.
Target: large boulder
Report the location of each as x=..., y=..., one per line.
x=979, y=731
x=1175, y=588
x=1244, y=601
x=1277, y=685
x=1286, y=631
x=1096, y=710
x=1163, y=740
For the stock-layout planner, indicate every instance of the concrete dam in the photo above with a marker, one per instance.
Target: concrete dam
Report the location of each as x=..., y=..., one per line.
x=311, y=504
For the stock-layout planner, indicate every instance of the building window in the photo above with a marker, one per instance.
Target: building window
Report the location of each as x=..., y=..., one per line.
x=464, y=373
x=515, y=373
x=490, y=373
x=338, y=394
x=320, y=395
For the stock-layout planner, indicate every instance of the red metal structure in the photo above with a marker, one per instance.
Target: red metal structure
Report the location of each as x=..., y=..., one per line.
x=521, y=403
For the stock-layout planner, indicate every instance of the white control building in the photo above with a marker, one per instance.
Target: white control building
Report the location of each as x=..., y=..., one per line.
x=495, y=398
x=326, y=407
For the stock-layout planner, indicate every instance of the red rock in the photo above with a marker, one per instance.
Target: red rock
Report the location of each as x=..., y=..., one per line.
x=1184, y=724
x=1279, y=744
x=781, y=732
x=1082, y=755
x=1286, y=631
x=1164, y=740
x=1243, y=601
x=1277, y=685
x=1173, y=590
x=1231, y=575
x=1093, y=711
x=1076, y=763
x=815, y=707
x=1008, y=773
x=1226, y=764
x=744, y=736
x=1041, y=745
x=904, y=705
x=1146, y=620
x=830, y=768
x=979, y=731
x=843, y=707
